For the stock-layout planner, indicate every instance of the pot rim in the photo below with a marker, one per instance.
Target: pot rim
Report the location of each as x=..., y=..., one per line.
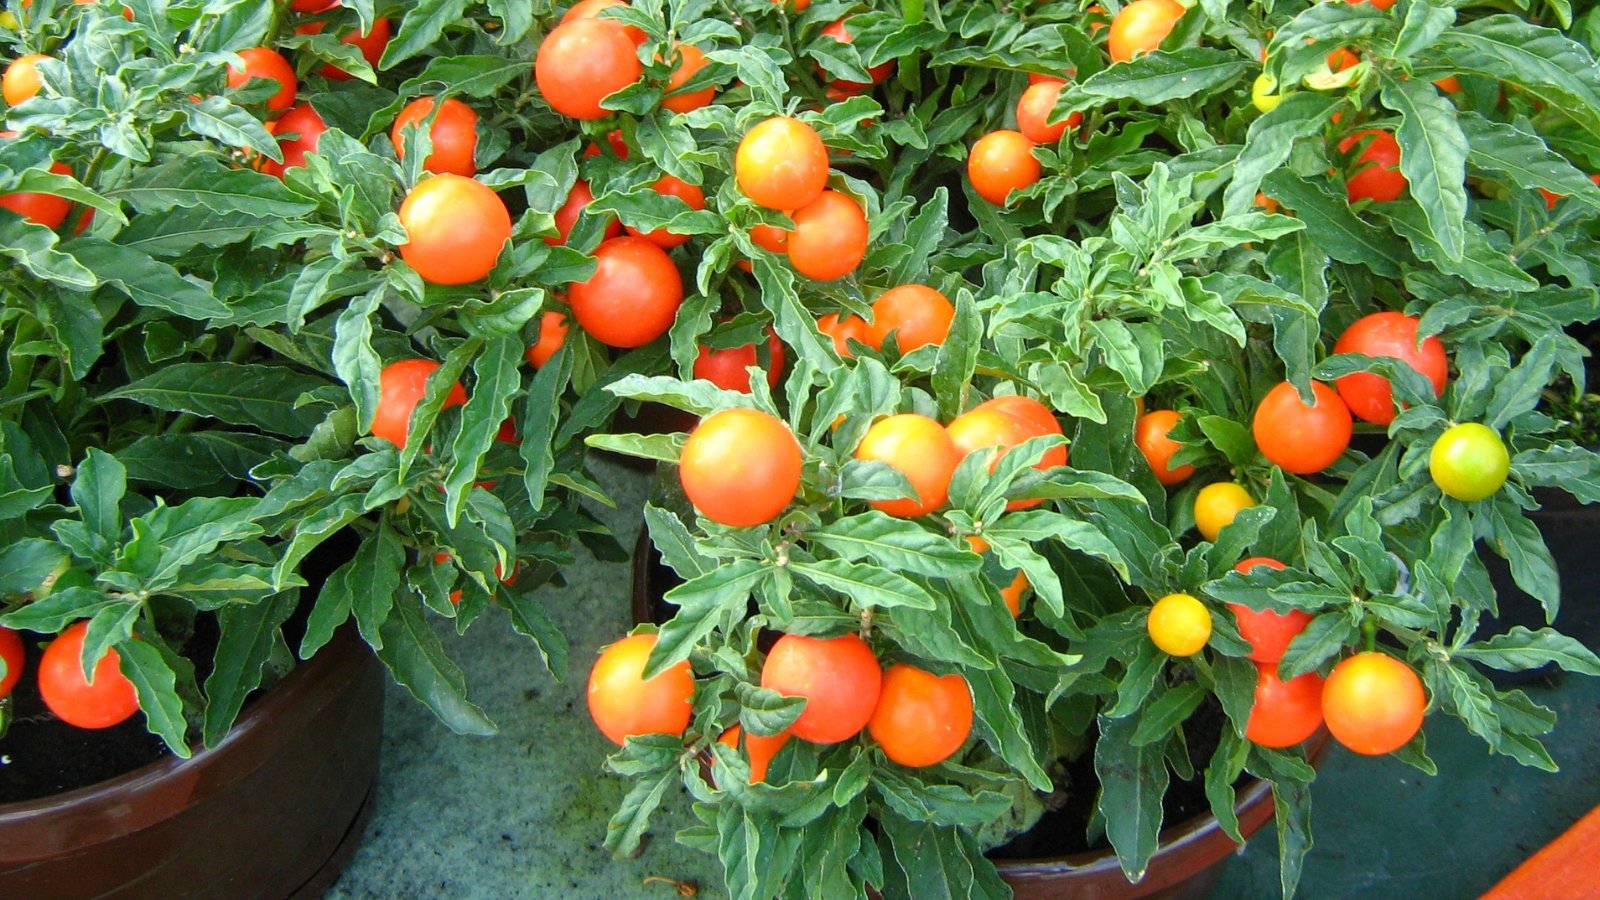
x=266, y=710
x=1200, y=827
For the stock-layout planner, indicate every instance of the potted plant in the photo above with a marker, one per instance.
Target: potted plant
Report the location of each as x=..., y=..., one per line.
x=237, y=427
x=1130, y=392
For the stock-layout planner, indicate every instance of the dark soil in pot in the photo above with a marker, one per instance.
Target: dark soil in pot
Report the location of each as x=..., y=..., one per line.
x=1572, y=532
x=41, y=756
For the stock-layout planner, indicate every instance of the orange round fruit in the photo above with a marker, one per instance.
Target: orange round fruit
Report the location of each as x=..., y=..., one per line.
x=740, y=467
x=1150, y=436
x=839, y=678
x=454, y=134
x=1001, y=162
x=623, y=703
x=921, y=450
x=917, y=315
x=455, y=229
x=829, y=238
x=781, y=163
x=921, y=719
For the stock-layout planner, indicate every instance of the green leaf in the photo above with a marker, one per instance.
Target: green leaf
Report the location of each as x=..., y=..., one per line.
x=1159, y=77
x=240, y=394
x=156, y=685
x=1542, y=61
x=97, y=491
x=898, y=544
x=1433, y=157
x=145, y=281
x=1524, y=158
x=632, y=819
x=1521, y=649
x=866, y=586
x=1515, y=538
x=249, y=633
x=1162, y=717
x=197, y=459
x=1268, y=142
x=541, y=416
x=1339, y=232
x=418, y=662
x=25, y=564
x=1133, y=779
x=497, y=377
x=424, y=22
x=701, y=602
x=199, y=181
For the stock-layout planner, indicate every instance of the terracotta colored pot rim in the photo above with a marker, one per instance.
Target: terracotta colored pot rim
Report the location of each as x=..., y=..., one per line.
x=1202, y=827
x=259, y=715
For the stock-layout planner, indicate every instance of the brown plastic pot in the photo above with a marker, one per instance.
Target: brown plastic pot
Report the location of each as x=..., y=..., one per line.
x=1184, y=866
x=274, y=810
x=1186, y=862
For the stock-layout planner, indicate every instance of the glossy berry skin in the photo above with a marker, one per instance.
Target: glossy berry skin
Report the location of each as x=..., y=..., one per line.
x=1377, y=168
x=1387, y=334
x=917, y=315
x=624, y=704
x=589, y=9
x=108, y=700
x=920, y=449
x=567, y=216
x=1216, y=506
x=21, y=80
x=1285, y=712
x=401, y=386
x=1469, y=462
x=1034, y=109
x=633, y=295
x=1302, y=439
x=691, y=60
x=456, y=228
x=1268, y=633
x=298, y=132
x=1373, y=703
x=843, y=330
x=1001, y=162
x=829, y=238
x=370, y=45
x=1179, y=624
x=1150, y=436
x=12, y=651
x=552, y=335
x=839, y=677
x=740, y=467
x=781, y=163
x=264, y=62
x=670, y=186
x=759, y=749
x=729, y=368
x=1141, y=26
x=48, y=210
x=582, y=62
x=454, y=134
x=921, y=719
x=1006, y=422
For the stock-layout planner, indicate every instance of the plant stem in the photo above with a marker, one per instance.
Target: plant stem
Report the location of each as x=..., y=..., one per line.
x=1369, y=634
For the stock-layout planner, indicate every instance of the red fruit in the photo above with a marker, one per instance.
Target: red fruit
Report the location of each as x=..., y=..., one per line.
x=1378, y=175
x=839, y=677
x=1387, y=334
x=727, y=368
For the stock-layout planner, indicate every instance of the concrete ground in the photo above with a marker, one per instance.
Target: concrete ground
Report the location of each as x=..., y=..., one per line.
x=524, y=814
